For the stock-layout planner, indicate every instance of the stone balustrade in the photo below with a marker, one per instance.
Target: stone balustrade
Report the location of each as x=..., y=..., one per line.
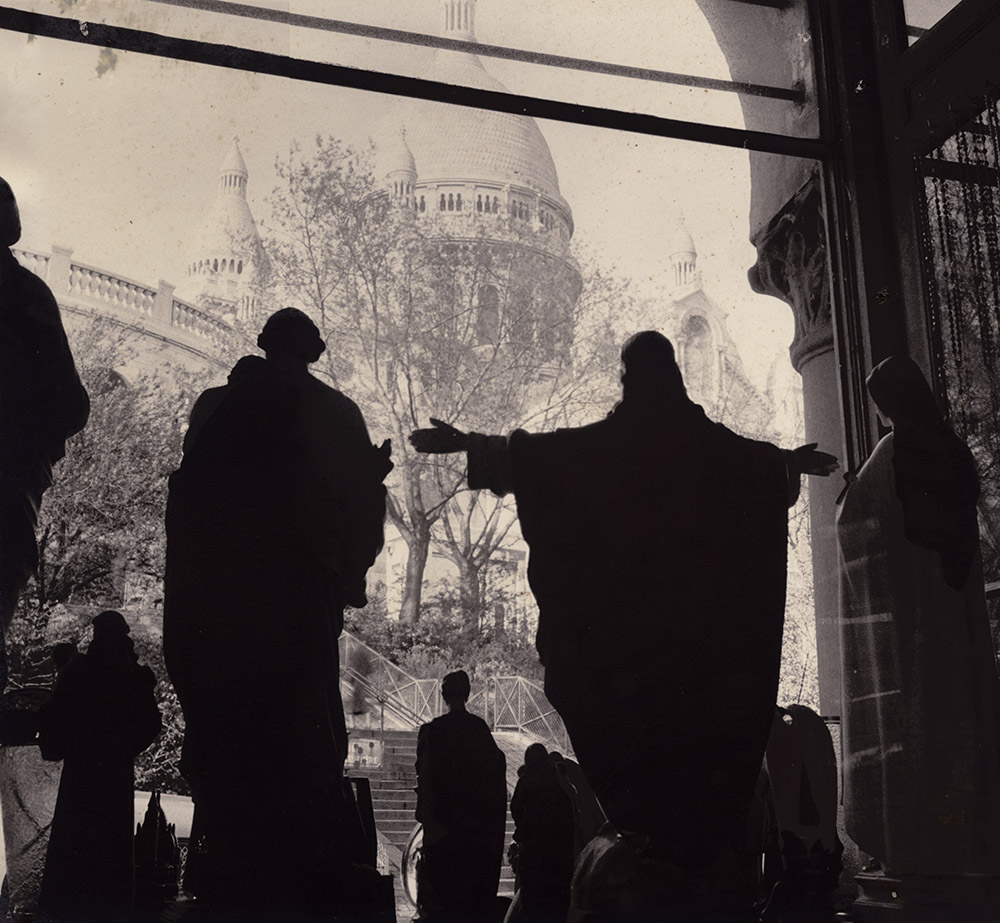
x=96, y=285
x=195, y=321
x=38, y=263
x=76, y=284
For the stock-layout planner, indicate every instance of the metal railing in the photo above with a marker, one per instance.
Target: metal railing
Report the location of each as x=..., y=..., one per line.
x=507, y=703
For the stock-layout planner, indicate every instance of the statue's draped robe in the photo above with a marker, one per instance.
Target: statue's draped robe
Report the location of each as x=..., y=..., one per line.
x=102, y=716
x=273, y=518
x=542, y=811
x=919, y=723
x=462, y=804
x=42, y=403
x=657, y=556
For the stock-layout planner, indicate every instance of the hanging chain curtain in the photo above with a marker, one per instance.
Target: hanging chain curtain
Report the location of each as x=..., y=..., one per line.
x=961, y=262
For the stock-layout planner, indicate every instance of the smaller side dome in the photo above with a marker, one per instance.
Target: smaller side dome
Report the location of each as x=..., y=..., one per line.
x=681, y=240
x=396, y=156
x=683, y=257
x=233, y=162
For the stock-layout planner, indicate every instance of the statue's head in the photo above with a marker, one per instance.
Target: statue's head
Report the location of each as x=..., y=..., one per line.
x=111, y=635
x=10, y=217
x=535, y=755
x=110, y=623
x=455, y=687
x=649, y=368
x=291, y=333
x=901, y=393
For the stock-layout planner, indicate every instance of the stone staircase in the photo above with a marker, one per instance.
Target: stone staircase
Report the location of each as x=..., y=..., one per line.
x=393, y=787
x=394, y=800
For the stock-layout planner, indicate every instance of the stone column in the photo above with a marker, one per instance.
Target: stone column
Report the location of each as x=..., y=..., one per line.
x=792, y=265
x=163, y=303
x=58, y=272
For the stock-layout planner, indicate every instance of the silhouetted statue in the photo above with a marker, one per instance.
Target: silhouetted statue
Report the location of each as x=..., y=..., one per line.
x=103, y=714
x=157, y=858
x=543, y=830
x=462, y=804
x=273, y=519
x=63, y=653
x=588, y=816
x=42, y=404
x=920, y=732
x=657, y=542
x=801, y=772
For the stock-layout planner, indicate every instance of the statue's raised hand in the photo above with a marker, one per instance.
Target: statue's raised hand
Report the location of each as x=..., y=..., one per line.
x=810, y=461
x=440, y=439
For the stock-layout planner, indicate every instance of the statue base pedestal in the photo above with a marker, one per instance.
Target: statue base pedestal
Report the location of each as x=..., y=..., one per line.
x=29, y=786
x=927, y=898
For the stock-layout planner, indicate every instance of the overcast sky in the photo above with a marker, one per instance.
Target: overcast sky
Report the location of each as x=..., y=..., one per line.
x=118, y=159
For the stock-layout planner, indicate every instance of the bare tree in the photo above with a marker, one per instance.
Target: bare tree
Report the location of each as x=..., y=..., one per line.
x=482, y=321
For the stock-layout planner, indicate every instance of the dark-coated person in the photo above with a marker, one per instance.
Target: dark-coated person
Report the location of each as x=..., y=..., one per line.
x=462, y=804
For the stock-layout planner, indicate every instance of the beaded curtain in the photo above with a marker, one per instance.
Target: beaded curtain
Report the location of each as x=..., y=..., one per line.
x=961, y=262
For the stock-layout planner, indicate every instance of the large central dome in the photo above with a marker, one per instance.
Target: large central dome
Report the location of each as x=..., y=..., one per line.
x=457, y=143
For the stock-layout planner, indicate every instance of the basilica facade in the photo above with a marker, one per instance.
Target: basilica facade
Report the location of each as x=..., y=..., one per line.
x=480, y=181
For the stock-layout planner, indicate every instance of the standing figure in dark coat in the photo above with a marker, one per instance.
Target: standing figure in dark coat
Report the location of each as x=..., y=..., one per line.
x=462, y=803
x=544, y=832
x=103, y=714
x=273, y=519
x=42, y=404
x=657, y=556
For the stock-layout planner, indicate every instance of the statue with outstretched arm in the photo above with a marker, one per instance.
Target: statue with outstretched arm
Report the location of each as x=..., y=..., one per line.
x=658, y=560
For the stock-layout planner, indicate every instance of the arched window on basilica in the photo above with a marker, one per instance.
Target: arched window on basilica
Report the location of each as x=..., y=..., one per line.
x=458, y=202
x=444, y=202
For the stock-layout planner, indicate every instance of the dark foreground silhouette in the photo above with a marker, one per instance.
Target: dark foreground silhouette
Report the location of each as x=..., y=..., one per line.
x=462, y=804
x=657, y=543
x=103, y=714
x=42, y=404
x=543, y=813
x=273, y=520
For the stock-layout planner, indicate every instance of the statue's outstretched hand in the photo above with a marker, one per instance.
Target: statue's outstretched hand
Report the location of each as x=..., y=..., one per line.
x=440, y=439
x=810, y=461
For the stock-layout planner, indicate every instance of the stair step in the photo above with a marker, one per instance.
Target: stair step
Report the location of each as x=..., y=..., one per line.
x=386, y=815
x=393, y=825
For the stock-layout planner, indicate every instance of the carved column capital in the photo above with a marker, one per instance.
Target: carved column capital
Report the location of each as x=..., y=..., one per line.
x=792, y=265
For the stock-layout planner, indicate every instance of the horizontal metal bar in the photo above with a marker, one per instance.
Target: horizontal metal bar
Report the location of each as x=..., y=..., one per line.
x=979, y=174
x=993, y=589
x=120, y=38
x=770, y=4
x=791, y=94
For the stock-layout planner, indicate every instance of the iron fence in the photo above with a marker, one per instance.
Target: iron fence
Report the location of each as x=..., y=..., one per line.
x=507, y=703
